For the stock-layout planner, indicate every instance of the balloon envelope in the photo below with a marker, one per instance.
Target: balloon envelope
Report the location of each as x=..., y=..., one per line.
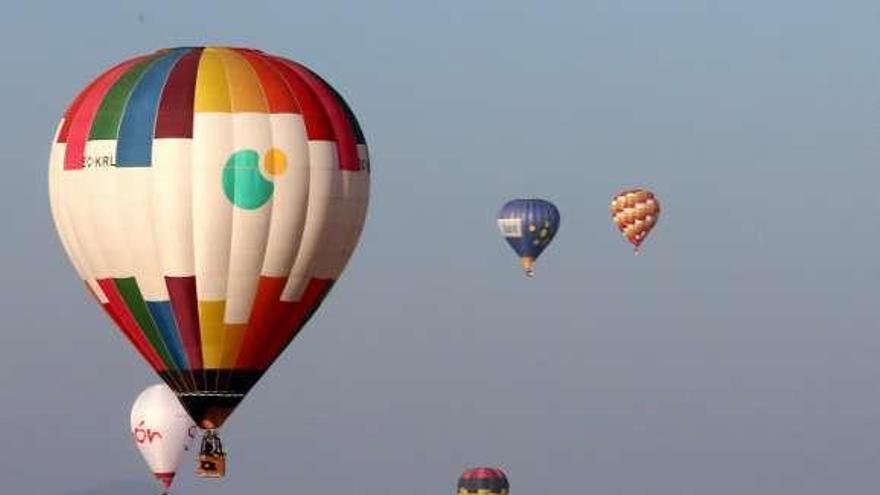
x=162, y=430
x=483, y=480
x=528, y=225
x=635, y=213
x=209, y=198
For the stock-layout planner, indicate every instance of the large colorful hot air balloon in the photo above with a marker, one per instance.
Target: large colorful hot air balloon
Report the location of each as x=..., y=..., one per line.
x=483, y=480
x=528, y=225
x=209, y=198
x=162, y=430
x=635, y=212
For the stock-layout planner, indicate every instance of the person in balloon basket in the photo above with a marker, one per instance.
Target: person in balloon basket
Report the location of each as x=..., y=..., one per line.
x=212, y=459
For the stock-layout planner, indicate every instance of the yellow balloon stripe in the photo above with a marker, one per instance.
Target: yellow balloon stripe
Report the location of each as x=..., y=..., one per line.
x=246, y=92
x=212, y=90
x=227, y=82
x=212, y=332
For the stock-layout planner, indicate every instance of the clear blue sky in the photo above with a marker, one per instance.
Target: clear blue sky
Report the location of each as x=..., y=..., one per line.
x=738, y=354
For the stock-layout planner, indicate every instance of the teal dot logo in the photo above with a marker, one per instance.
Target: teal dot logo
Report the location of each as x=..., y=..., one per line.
x=244, y=184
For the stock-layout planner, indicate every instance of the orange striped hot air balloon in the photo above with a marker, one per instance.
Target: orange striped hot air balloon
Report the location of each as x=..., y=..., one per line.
x=635, y=212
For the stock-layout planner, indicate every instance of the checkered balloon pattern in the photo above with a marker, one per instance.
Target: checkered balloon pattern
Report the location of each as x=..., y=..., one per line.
x=635, y=212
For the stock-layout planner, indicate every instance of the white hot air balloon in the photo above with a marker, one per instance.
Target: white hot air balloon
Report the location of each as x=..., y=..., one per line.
x=162, y=431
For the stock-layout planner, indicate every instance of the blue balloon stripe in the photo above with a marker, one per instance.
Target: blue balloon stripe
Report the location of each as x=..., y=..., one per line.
x=134, y=147
x=163, y=316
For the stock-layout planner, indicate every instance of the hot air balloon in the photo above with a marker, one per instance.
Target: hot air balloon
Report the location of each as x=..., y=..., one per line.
x=635, y=212
x=162, y=430
x=483, y=480
x=209, y=198
x=528, y=225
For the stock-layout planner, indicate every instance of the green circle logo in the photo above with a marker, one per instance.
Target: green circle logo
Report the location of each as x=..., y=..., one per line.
x=244, y=184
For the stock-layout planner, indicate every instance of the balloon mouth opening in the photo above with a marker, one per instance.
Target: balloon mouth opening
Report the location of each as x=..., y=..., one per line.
x=209, y=413
x=213, y=416
x=165, y=479
x=209, y=404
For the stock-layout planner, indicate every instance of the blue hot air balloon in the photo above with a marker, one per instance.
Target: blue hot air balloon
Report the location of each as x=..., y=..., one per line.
x=528, y=225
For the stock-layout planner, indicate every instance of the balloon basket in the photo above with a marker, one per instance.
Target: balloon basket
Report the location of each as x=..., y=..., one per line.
x=212, y=459
x=528, y=265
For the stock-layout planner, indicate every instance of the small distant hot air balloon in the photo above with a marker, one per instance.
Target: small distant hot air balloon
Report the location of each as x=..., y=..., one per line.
x=162, y=431
x=483, y=480
x=635, y=212
x=528, y=225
